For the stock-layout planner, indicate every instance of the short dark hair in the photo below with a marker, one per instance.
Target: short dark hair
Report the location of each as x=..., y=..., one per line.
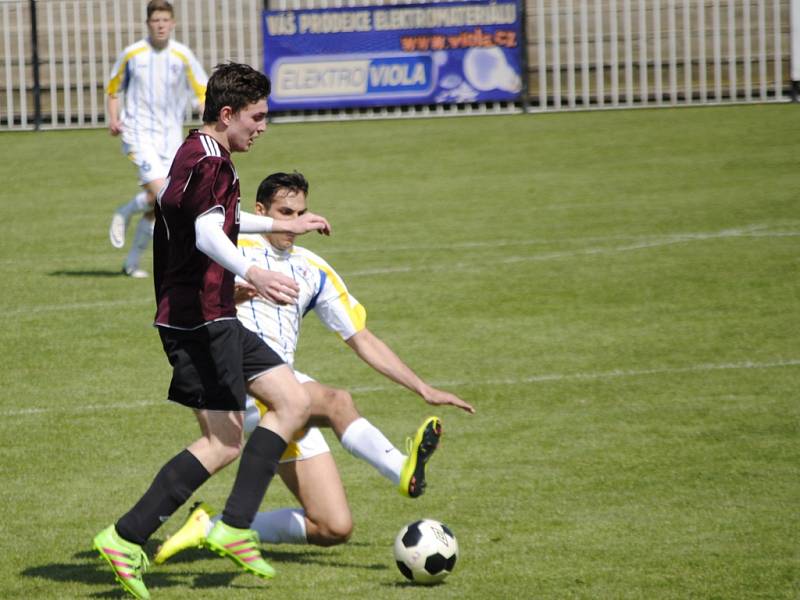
x=294, y=182
x=235, y=85
x=156, y=5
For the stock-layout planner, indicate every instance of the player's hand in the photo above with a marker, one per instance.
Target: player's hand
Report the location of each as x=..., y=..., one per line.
x=242, y=292
x=440, y=397
x=115, y=127
x=273, y=286
x=307, y=222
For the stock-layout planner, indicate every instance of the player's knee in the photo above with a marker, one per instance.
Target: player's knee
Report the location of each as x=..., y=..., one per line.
x=228, y=452
x=340, y=403
x=336, y=530
x=340, y=399
x=226, y=446
x=299, y=409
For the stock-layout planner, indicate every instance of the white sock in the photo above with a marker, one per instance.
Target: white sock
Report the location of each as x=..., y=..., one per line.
x=144, y=233
x=137, y=204
x=283, y=526
x=365, y=441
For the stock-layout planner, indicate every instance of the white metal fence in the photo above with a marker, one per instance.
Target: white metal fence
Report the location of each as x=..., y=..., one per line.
x=579, y=53
x=79, y=40
x=640, y=52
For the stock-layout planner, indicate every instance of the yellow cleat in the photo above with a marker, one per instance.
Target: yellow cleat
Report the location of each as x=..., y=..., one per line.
x=192, y=533
x=420, y=450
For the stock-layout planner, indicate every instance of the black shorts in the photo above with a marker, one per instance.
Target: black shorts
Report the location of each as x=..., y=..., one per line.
x=211, y=365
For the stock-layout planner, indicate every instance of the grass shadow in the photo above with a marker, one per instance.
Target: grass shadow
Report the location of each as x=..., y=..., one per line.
x=93, y=273
x=89, y=569
x=410, y=584
x=94, y=572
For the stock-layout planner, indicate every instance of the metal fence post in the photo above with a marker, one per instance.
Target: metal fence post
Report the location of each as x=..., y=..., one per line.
x=794, y=33
x=525, y=91
x=37, y=92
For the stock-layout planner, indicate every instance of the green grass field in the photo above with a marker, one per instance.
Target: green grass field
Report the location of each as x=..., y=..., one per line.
x=616, y=292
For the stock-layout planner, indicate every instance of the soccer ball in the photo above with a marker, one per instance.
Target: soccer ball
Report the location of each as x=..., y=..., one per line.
x=425, y=551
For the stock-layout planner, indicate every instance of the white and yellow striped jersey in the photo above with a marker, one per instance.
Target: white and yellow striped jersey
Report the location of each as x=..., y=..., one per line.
x=157, y=85
x=321, y=290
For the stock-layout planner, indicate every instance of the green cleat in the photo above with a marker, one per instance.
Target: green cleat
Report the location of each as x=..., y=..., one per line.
x=420, y=450
x=241, y=546
x=127, y=560
x=192, y=533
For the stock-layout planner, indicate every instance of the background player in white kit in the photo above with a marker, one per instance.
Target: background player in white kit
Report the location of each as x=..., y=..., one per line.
x=307, y=467
x=157, y=77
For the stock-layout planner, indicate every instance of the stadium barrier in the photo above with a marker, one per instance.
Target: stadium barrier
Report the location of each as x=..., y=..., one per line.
x=55, y=55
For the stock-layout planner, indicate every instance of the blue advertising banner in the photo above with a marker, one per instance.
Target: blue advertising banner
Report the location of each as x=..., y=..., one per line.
x=390, y=55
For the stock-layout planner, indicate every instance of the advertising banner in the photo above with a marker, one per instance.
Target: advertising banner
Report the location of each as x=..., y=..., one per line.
x=389, y=55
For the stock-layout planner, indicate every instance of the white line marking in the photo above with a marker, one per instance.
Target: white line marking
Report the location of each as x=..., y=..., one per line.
x=79, y=409
x=704, y=367
x=755, y=230
x=547, y=377
x=45, y=308
x=644, y=243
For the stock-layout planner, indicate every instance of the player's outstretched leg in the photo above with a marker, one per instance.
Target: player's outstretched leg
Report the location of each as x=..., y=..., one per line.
x=192, y=533
x=420, y=450
x=241, y=546
x=127, y=560
x=119, y=222
x=116, y=231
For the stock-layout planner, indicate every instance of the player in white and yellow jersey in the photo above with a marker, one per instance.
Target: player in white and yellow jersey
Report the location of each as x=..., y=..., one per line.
x=307, y=467
x=151, y=84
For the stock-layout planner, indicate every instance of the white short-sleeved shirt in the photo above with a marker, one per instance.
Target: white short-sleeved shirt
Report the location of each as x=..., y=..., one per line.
x=156, y=85
x=321, y=290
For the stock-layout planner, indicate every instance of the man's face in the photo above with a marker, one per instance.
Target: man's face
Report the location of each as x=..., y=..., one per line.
x=286, y=204
x=159, y=27
x=246, y=125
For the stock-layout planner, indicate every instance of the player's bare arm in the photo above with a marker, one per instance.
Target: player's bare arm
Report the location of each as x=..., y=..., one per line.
x=378, y=355
x=114, y=123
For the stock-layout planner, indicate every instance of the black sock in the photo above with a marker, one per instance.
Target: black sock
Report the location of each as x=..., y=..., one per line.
x=257, y=467
x=175, y=483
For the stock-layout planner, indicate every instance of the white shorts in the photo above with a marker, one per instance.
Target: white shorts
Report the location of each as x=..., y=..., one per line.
x=150, y=164
x=306, y=444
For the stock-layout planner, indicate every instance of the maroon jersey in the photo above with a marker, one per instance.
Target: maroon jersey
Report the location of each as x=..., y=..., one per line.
x=192, y=289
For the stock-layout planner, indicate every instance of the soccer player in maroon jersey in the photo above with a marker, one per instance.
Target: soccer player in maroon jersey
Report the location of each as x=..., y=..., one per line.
x=215, y=359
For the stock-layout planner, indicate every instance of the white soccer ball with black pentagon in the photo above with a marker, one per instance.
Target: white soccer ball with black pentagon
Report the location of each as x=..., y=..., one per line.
x=426, y=551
